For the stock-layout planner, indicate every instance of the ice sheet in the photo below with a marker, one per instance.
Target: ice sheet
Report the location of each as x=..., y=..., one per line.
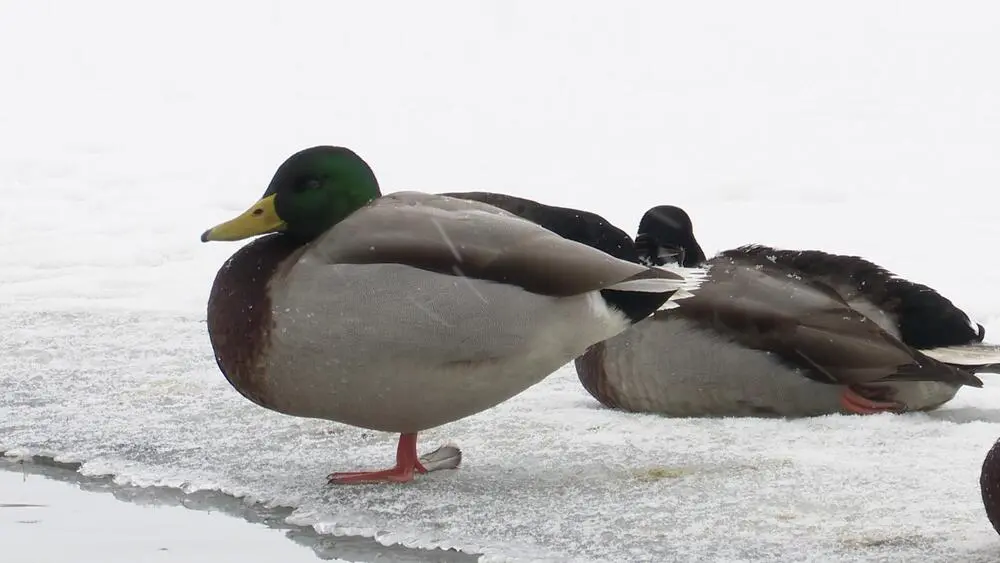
x=47, y=521
x=547, y=474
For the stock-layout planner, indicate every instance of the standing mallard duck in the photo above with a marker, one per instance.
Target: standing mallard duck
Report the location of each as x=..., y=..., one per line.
x=404, y=312
x=770, y=330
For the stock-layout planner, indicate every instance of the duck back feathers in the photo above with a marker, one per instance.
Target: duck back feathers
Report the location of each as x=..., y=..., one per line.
x=765, y=306
x=574, y=224
x=925, y=319
x=480, y=241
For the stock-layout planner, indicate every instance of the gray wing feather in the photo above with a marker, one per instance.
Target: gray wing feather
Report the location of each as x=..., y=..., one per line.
x=472, y=239
x=766, y=308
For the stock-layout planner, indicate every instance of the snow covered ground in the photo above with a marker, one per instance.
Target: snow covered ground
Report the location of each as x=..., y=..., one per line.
x=126, y=129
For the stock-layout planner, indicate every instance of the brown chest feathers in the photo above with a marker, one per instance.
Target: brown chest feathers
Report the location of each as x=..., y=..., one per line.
x=239, y=313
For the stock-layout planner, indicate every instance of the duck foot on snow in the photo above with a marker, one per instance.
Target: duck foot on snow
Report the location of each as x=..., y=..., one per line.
x=445, y=457
x=852, y=402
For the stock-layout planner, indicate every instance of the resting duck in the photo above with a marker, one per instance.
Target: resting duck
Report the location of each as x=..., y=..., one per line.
x=407, y=311
x=801, y=347
x=785, y=333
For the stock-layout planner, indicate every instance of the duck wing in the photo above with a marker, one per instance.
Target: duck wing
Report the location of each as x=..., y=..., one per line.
x=924, y=318
x=575, y=224
x=479, y=241
x=764, y=306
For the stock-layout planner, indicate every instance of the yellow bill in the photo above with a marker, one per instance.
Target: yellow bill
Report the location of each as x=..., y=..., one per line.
x=260, y=219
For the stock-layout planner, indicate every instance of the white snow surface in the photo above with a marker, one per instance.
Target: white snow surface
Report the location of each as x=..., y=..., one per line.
x=126, y=129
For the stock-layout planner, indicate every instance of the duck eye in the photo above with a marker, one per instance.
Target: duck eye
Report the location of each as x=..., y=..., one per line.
x=308, y=184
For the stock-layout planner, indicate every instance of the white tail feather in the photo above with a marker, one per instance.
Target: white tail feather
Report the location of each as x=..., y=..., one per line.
x=689, y=280
x=968, y=355
x=693, y=277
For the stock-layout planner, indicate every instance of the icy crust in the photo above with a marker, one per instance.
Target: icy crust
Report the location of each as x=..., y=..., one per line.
x=546, y=476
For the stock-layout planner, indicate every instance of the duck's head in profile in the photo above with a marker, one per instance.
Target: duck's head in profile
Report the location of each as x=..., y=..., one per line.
x=666, y=236
x=313, y=190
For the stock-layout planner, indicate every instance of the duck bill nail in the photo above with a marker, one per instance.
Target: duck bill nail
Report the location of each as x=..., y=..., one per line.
x=260, y=219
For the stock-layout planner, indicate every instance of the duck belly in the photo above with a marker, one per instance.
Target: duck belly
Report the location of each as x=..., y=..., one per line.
x=393, y=348
x=674, y=368
x=920, y=395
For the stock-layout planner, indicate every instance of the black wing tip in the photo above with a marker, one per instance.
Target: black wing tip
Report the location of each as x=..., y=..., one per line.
x=636, y=305
x=655, y=273
x=984, y=368
x=930, y=369
x=974, y=381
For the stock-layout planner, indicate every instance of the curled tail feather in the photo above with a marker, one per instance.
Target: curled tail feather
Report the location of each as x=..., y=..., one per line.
x=970, y=357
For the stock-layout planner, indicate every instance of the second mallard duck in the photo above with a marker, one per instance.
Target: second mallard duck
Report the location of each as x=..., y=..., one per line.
x=770, y=332
x=785, y=333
